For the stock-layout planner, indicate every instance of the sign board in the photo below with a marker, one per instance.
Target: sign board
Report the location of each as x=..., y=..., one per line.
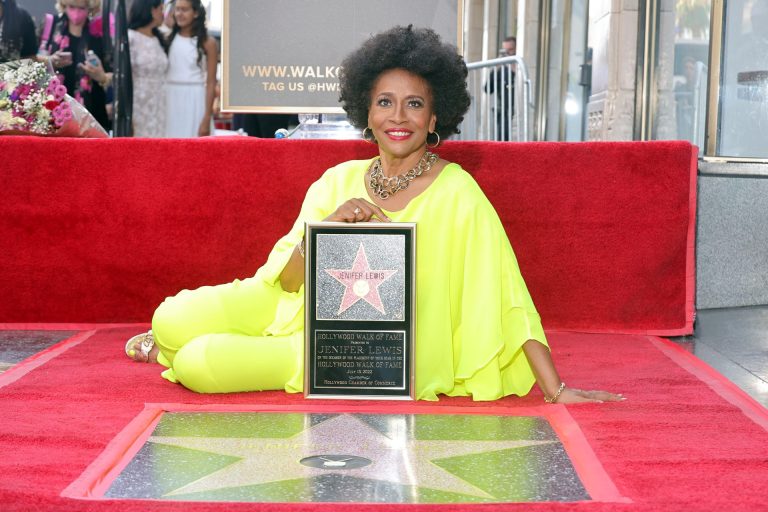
x=285, y=55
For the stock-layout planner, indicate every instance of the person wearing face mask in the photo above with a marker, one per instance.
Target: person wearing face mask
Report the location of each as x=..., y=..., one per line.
x=67, y=45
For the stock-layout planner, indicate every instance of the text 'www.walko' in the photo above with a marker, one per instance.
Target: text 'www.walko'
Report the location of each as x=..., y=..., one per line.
x=297, y=78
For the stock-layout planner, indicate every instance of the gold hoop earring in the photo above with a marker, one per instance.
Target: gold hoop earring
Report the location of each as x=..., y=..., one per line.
x=372, y=139
x=436, y=143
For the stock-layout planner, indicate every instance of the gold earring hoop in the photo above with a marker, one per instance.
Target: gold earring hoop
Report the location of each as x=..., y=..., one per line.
x=372, y=139
x=436, y=143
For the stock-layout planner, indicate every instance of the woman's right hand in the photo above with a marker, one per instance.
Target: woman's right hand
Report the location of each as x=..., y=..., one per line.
x=357, y=210
x=573, y=396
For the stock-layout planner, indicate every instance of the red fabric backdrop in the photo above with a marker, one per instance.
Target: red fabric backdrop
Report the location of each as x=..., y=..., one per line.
x=104, y=230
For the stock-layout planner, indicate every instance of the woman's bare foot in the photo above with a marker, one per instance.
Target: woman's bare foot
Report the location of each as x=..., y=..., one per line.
x=141, y=348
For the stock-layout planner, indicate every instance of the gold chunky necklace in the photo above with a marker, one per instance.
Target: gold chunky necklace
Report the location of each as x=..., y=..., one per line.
x=384, y=186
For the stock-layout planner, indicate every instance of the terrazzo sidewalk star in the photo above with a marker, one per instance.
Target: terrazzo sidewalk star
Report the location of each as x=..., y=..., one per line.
x=395, y=458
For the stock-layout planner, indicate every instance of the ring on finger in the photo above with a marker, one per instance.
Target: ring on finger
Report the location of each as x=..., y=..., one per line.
x=356, y=211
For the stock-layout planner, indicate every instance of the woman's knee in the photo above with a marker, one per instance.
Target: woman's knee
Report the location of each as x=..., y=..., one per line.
x=185, y=316
x=165, y=322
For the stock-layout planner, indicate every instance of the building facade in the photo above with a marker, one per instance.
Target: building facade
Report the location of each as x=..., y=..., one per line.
x=658, y=70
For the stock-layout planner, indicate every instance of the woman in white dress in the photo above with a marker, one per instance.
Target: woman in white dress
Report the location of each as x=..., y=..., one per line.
x=191, y=79
x=149, y=64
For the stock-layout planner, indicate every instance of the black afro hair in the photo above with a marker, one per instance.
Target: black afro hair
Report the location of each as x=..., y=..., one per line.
x=419, y=51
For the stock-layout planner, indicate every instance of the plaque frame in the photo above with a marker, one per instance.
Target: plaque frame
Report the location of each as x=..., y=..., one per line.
x=398, y=331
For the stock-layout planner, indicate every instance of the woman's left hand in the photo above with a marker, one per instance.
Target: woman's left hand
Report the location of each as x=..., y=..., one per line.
x=575, y=396
x=357, y=209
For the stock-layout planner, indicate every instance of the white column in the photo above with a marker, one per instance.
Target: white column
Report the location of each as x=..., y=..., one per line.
x=613, y=39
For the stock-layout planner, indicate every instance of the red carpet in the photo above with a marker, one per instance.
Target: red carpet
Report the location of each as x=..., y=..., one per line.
x=684, y=440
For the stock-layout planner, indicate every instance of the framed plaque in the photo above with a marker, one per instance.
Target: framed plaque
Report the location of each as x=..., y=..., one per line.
x=359, y=288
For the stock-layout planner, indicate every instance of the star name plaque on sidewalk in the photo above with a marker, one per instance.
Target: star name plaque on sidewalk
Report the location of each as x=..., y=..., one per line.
x=360, y=310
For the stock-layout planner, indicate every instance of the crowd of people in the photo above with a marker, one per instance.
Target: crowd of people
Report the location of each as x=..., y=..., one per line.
x=173, y=60
x=173, y=66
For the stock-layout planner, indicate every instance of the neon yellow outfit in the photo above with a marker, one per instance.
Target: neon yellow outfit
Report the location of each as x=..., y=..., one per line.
x=474, y=311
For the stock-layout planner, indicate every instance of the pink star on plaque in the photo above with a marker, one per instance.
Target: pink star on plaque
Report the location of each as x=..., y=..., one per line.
x=360, y=282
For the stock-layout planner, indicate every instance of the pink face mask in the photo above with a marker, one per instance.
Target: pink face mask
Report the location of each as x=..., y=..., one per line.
x=77, y=16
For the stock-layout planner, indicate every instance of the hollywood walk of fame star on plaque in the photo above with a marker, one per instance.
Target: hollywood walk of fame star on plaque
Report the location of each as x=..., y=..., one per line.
x=360, y=282
x=360, y=296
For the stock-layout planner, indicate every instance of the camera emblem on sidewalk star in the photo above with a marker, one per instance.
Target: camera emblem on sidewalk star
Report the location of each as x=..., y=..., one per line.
x=335, y=461
x=361, y=282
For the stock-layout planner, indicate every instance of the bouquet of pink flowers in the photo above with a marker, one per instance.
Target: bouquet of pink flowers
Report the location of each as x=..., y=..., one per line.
x=34, y=101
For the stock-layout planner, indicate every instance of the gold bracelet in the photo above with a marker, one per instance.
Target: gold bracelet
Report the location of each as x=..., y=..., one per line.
x=553, y=399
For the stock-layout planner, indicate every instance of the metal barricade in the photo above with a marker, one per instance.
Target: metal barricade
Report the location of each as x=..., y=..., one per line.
x=501, y=99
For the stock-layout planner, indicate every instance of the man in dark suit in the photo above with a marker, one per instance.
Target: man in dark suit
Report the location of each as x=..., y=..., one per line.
x=501, y=84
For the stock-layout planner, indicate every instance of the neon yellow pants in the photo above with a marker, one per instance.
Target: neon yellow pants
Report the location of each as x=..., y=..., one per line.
x=212, y=339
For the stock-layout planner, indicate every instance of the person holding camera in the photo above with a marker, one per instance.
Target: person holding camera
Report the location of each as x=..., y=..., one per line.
x=75, y=53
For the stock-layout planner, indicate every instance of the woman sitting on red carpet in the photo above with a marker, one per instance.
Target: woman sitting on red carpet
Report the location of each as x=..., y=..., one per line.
x=478, y=331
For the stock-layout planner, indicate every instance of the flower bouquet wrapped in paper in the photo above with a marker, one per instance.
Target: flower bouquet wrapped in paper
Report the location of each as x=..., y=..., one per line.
x=33, y=101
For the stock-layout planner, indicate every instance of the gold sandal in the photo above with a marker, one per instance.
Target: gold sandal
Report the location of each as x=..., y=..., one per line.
x=146, y=342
